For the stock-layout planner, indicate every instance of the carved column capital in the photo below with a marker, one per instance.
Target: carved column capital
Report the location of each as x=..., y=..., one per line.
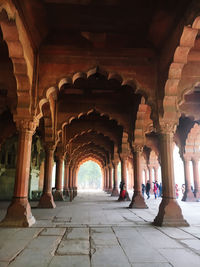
x=195, y=158
x=138, y=148
x=27, y=124
x=167, y=127
x=50, y=146
x=186, y=157
x=115, y=162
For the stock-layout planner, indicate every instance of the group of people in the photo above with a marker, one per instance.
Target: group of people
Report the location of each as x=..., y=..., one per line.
x=157, y=189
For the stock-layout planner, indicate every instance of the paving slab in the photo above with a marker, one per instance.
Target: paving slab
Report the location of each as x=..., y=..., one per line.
x=192, y=244
x=109, y=257
x=134, y=243
x=157, y=239
x=73, y=247
x=70, y=261
x=181, y=257
x=53, y=231
x=30, y=258
x=45, y=243
x=3, y=264
x=38, y=253
x=77, y=233
x=150, y=264
x=10, y=248
x=175, y=232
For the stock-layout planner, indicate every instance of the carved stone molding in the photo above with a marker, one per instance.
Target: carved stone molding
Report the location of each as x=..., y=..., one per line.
x=167, y=127
x=138, y=148
x=27, y=124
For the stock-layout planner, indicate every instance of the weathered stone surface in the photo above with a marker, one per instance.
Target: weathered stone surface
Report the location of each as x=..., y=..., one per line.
x=74, y=247
x=10, y=247
x=175, y=233
x=192, y=243
x=77, y=234
x=3, y=264
x=154, y=264
x=39, y=252
x=112, y=256
x=53, y=231
x=181, y=257
x=70, y=261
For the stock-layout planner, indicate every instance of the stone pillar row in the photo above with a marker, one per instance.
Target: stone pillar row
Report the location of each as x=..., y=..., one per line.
x=189, y=196
x=19, y=211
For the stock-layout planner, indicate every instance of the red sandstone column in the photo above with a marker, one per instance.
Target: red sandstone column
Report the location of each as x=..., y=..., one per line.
x=195, y=161
x=150, y=179
x=188, y=194
x=104, y=179
x=124, y=176
x=138, y=199
x=41, y=177
x=74, y=183
x=115, y=191
x=70, y=183
x=46, y=200
x=170, y=213
x=19, y=212
x=107, y=179
x=156, y=173
x=110, y=178
x=58, y=196
x=146, y=176
x=66, y=179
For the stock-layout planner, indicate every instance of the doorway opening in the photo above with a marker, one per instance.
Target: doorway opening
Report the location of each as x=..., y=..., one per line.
x=90, y=176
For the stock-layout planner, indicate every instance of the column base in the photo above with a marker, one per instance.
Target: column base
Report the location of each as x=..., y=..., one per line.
x=71, y=194
x=58, y=196
x=189, y=197
x=197, y=195
x=66, y=192
x=109, y=191
x=115, y=192
x=18, y=214
x=46, y=201
x=74, y=192
x=170, y=214
x=138, y=202
x=125, y=198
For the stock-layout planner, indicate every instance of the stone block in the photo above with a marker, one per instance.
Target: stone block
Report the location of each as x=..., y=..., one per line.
x=74, y=247
x=70, y=261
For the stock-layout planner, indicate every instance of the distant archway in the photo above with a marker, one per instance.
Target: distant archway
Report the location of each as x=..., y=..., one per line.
x=90, y=176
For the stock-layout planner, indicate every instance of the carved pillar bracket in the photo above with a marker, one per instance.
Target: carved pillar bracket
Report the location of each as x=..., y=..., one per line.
x=138, y=199
x=188, y=194
x=46, y=200
x=170, y=213
x=19, y=212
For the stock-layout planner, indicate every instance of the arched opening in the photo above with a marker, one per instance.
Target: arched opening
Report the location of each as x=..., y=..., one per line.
x=178, y=171
x=89, y=176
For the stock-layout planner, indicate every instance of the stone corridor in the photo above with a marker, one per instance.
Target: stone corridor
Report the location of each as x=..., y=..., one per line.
x=95, y=230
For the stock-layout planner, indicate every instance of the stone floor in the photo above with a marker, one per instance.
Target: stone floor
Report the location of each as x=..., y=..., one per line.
x=96, y=230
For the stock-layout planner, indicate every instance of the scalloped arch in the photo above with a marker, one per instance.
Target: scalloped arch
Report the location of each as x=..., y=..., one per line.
x=21, y=55
x=187, y=42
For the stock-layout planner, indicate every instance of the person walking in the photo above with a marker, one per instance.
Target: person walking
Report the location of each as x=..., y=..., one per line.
x=148, y=187
x=155, y=189
x=143, y=189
